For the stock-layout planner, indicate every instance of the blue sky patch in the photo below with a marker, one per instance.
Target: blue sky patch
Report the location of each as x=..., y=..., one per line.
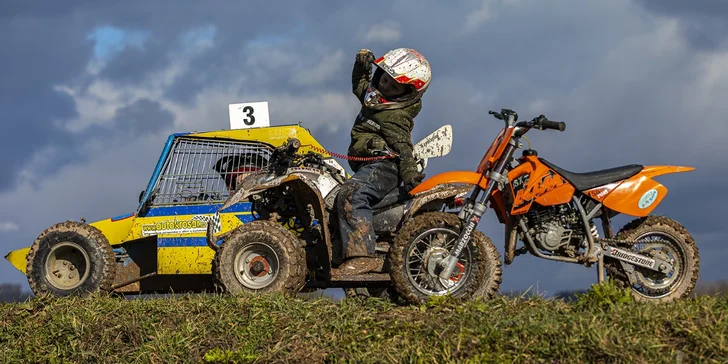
x=111, y=40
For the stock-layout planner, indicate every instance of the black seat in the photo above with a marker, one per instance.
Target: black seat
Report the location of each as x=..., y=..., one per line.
x=396, y=195
x=585, y=181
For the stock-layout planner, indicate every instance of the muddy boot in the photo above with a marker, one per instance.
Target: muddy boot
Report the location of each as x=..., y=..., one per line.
x=358, y=265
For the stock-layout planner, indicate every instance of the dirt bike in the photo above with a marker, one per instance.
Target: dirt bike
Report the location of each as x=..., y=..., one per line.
x=293, y=244
x=552, y=211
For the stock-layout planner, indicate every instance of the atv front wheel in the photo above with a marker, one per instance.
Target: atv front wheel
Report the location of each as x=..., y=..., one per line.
x=423, y=242
x=666, y=239
x=70, y=258
x=263, y=257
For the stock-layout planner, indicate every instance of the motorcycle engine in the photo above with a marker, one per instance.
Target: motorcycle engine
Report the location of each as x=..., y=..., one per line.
x=552, y=225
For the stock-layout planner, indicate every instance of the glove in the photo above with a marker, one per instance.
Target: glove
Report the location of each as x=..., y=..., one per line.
x=364, y=59
x=411, y=180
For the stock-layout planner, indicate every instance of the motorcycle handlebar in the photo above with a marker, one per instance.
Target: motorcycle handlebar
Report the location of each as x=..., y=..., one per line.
x=555, y=125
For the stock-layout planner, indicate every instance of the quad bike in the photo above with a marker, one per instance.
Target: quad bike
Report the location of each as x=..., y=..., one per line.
x=298, y=190
x=552, y=211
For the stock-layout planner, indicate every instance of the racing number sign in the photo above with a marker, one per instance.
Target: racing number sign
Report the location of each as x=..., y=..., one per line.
x=249, y=115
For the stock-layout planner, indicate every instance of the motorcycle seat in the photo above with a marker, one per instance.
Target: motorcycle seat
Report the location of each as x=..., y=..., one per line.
x=588, y=180
x=395, y=196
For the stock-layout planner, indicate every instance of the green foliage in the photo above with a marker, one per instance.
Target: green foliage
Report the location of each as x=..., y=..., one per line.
x=603, y=326
x=604, y=296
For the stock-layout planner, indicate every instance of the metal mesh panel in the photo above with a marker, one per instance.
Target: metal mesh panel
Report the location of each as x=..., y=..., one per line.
x=204, y=170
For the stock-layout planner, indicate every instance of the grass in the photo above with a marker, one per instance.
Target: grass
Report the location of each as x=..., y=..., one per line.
x=602, y=325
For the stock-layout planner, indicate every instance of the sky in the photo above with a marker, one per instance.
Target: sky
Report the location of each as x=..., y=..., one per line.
x=90, y=92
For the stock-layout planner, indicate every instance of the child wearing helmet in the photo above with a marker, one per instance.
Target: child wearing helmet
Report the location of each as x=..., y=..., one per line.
x=391, y=98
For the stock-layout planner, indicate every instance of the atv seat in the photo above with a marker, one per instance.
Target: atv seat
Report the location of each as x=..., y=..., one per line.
x=395, y=196
x=585, y=181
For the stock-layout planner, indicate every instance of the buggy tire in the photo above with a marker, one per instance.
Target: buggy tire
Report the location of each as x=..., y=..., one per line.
x=282, y=267
x=485, y=271
x=680, y=241
x=70, y=258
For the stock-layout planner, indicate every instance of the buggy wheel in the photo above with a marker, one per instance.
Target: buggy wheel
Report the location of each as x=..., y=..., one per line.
x=419, y=246
x=70, y=258
x=260, y=257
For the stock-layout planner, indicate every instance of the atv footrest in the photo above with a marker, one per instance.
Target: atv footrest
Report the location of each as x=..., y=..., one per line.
x=369, y=277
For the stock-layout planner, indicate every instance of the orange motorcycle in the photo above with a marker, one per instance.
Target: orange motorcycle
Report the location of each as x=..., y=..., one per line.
x=552, y=211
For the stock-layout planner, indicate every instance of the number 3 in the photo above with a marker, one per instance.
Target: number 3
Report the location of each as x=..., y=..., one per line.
x=248, y=110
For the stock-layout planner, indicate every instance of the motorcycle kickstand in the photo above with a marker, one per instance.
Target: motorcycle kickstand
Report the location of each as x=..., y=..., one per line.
x=600, y=268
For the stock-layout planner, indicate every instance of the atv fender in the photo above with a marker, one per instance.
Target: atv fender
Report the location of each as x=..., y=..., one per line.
x=308, y=183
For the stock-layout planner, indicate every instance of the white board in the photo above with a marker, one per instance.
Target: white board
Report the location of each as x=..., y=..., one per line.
x=249, y=115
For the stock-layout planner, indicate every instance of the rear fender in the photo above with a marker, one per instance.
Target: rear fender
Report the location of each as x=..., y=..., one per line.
x=640, y=194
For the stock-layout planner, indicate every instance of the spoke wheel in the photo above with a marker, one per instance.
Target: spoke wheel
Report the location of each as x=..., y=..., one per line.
x=663, y=238
x=422, y=244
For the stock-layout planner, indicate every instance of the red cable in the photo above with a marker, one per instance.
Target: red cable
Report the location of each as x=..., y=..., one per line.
x=347, y=157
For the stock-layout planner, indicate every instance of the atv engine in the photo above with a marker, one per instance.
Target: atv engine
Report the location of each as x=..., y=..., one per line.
x=552, y=226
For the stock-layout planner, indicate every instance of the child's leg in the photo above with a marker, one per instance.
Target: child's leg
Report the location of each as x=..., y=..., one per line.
x=353, y=204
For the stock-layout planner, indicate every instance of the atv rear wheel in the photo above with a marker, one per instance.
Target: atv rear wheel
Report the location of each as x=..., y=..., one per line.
x=663, y=238
x=70, y=258
x=260, y=257
x=424, y=240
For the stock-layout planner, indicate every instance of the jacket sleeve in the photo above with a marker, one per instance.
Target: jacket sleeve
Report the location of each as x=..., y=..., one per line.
x=361, y=73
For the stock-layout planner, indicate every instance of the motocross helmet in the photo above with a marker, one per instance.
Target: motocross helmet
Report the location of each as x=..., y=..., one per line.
x=401, y=77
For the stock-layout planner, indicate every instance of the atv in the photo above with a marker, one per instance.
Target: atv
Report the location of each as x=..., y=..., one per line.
x=293, y=244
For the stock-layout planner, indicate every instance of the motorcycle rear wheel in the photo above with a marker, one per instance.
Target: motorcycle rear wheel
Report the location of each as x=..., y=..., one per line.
x=678, y=247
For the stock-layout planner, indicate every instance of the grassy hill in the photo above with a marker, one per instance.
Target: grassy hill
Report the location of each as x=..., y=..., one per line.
x=604, y=325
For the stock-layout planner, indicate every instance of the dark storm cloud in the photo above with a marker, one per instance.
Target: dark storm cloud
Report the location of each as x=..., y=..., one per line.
x=36, y=57
x=705, y=22
x=143, y=116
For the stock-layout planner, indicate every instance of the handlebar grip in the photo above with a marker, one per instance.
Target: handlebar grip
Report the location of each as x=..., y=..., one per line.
x=496, y=114
x=555, y=125
x=293, y=146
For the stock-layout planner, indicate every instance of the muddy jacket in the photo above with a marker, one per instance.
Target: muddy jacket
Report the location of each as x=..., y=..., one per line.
x=375, y=129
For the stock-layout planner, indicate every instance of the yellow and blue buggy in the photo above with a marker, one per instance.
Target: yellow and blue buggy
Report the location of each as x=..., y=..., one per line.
x=161, y=246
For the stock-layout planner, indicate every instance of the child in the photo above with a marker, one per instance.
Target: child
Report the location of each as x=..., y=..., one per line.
x=390, y=102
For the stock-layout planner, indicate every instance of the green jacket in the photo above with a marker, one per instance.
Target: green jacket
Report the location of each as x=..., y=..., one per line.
x=373, y=129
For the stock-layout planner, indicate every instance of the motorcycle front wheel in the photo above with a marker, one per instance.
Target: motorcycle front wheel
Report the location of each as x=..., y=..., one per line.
x=423, y=242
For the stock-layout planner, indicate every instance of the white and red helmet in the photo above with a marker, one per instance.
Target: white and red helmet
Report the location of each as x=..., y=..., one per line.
x=407, y=67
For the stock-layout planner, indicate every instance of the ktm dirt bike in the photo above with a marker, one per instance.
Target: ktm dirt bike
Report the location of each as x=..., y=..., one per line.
x=552, y=211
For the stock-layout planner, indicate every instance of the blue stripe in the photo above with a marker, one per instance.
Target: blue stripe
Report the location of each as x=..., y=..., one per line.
x=197, y=209
x=121, y=217
x=181, y=242
x=195, y=241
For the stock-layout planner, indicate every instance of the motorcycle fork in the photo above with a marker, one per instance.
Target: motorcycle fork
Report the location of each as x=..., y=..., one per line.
x=473, y=210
